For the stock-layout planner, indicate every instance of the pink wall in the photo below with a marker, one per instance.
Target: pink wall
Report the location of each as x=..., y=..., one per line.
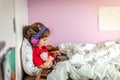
x=72, y=20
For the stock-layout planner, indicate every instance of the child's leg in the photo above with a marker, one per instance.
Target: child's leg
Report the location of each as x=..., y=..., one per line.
x=62, y=70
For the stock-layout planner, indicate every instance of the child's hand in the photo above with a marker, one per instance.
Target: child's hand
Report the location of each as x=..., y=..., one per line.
x=57, y=52
x=50, y=58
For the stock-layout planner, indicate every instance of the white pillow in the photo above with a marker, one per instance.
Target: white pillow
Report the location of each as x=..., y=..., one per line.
x=27, y=61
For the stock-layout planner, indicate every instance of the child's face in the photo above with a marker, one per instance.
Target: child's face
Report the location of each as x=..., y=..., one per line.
x=42, y=42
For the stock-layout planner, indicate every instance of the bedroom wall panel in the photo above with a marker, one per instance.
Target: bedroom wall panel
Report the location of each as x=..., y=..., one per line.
x=72, y=20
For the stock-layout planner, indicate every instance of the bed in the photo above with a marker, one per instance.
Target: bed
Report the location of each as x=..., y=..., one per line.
x=88, y=61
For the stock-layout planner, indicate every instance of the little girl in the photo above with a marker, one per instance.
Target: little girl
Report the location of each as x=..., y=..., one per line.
x=37, y=34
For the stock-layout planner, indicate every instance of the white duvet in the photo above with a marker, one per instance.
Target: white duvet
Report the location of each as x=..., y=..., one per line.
x=88, y=61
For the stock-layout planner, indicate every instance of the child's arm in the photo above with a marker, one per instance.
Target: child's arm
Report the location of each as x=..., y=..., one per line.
x=46, y=63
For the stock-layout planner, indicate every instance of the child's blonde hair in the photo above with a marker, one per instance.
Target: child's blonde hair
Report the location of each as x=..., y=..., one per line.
x=30, y=31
